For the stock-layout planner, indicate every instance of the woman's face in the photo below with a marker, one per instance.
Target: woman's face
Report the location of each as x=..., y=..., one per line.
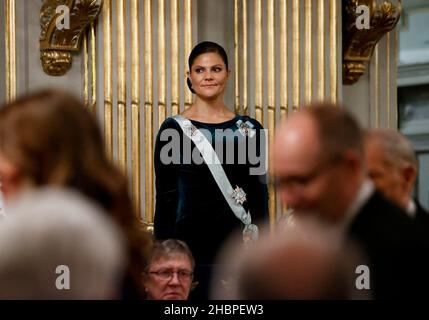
x=209, y=75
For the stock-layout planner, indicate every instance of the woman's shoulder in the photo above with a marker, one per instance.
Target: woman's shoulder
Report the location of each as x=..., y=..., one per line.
x=169, y=123
x=256, y=124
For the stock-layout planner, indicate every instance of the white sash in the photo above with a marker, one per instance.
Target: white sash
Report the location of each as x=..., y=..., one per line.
x=234, y=197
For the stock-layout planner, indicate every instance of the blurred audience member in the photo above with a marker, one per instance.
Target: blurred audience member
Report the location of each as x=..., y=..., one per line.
x=55, y=244
x=49, y=138
x=319, y=164
x=392, y=166
x=301, y=261
x=170, y=271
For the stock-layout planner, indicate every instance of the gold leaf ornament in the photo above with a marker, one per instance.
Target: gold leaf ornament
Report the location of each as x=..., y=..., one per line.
x=57, y=45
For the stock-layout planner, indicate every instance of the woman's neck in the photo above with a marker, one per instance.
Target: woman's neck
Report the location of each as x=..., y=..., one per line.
x=208, y=111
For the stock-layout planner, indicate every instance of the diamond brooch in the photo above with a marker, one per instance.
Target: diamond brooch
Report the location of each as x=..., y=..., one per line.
x=246, y=128
x=239, y=195
x=191, y=130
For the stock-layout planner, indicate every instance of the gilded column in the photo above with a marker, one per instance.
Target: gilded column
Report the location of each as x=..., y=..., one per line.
x=108, y=80
x=162, y=96
x=135, y=104
x=271, y=63
x=296, y=54
x=308, y=74
x=283, y=59
x=321, y=49
x=175, y=86
x=10, y=45
x=188, y=44
x=245, y=58
x=236, y=58
x=259, y=111
x=121, y=85
x=148, y=96
x=333, y=40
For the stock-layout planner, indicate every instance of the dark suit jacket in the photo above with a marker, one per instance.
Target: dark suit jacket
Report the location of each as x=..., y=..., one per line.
x=394, y=247
x=422, y=216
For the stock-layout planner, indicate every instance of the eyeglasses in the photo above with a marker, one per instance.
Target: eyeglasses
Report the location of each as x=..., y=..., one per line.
x=303, y=181
x=167, y=274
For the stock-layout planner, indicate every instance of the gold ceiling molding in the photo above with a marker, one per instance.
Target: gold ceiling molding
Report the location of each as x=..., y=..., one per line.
x=358, y=45
x=57, y=45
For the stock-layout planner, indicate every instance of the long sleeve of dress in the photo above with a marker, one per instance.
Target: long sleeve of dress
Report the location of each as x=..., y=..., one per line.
x=166, y=180
x=258, y=192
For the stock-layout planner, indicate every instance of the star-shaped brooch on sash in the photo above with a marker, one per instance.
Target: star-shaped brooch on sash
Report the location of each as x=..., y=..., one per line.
x=239, y=195
x=191, y=130
x=246, y=128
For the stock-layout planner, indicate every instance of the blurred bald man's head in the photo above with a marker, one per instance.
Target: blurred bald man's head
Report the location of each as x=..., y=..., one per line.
x=318, y=160
x=301, y=262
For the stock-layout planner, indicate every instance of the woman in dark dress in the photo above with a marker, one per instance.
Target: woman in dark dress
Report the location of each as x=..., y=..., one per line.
x=189, y=203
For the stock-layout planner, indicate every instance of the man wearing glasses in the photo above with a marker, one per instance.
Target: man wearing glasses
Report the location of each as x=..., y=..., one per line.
x=170, y=271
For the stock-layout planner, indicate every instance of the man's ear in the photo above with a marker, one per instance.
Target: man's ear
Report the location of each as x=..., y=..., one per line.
x=353, y=160
x=409, y=173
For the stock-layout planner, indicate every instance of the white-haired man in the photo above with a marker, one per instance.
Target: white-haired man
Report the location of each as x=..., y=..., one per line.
x=392, y=166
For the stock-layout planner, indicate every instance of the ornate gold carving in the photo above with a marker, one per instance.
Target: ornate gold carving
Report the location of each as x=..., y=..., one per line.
x=57, y=45
x=55, y=62
x=358, y=45
x=147, y=226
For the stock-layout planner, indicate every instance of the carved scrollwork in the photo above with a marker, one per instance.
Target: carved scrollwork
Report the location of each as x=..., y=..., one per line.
x=359, y=44
x=57, y=45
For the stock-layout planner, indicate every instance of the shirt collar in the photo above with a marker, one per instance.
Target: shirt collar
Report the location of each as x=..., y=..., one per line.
x=411, y=208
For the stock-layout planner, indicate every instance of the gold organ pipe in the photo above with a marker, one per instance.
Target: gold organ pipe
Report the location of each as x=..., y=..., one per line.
x=283, y=81
x=135, y=104
x=308, y=52
x=376, y=84
x=271, y=55
x=259, y=111
x=296, y=53
x=188, y=45
x=333, y=20
x=108, y=82
x=174, y=57
x=395, y=76
x=236, y=59
x=85, y=70
x=245, y=59
x=10, y=46
x=121, y=85
x=271, y=59
x=148, y=110
x=321, y=49
x=283, y=59
x=93, y=69
x=162, y=96
x=388, y=59
x=271, y=187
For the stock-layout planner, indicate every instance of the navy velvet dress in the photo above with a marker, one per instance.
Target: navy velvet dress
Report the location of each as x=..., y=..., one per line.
x=189, y=204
